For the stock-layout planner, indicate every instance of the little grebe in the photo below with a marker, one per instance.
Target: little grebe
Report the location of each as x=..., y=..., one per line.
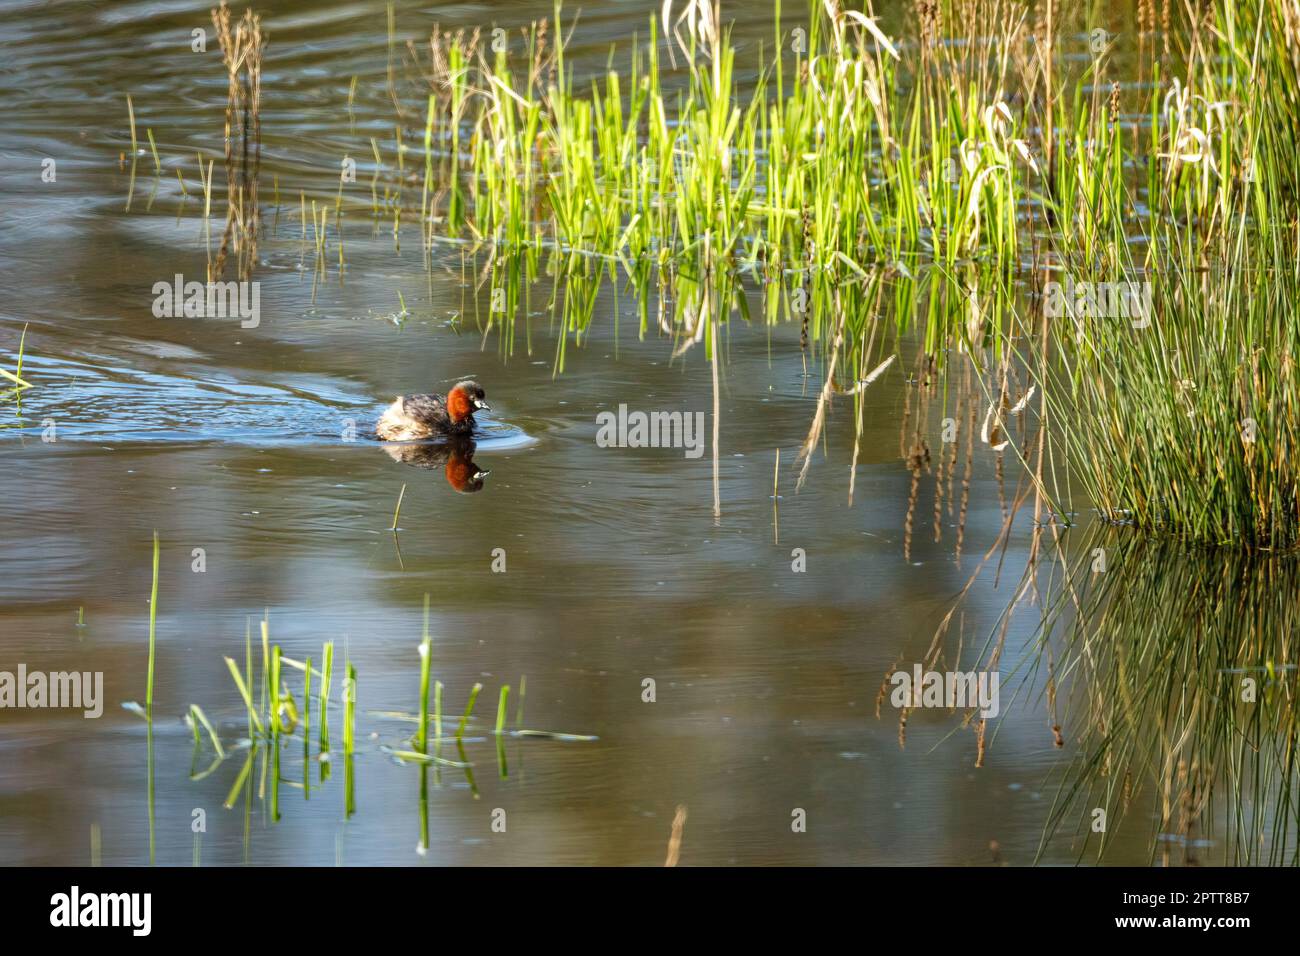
x=412, y=417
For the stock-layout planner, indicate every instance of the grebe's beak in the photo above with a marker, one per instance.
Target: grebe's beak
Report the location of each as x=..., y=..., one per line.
x=482, y=405
x=480, y=475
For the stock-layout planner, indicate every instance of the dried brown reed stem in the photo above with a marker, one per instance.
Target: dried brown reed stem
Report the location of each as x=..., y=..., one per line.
x=965, y=481
x=823, y=398
x=918, y=454
x=675, y=839
x=242, y=48
x=829, y=387
x=938, y=495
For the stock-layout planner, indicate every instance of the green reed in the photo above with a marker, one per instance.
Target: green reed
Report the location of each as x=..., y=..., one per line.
x=16, y=376
x=153, y=632
x=426, y=653
x=349, y=709
x=306, y=729
x=244, y=694
x=469, y=710
x=501, y=709
x=198, y=719
x=349, y=739
x=273, y=713
x=153, y=147
x=265, y=626
x=130, y=113
x=327, y=676
x=437, y=718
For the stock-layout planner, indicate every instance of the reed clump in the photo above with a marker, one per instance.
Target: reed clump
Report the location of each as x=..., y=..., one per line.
x=276, y=717
x=1180, y=415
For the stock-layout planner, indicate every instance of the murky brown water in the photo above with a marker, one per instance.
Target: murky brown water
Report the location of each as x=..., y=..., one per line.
x=229, y=440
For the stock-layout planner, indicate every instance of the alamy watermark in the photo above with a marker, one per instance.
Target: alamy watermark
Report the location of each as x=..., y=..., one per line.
x=947, y=689
x=55, y=690
x=636, y=429
x=1099, y=300
x=208, y=300
x=129, y=910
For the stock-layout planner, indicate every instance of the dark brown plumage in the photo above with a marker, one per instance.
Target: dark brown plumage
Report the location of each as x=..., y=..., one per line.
x=412, y=417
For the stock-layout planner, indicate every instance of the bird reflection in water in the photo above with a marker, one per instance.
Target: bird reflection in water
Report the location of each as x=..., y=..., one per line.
x=455, y=458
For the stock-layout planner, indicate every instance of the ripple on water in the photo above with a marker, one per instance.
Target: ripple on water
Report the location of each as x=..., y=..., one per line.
x=100, y=398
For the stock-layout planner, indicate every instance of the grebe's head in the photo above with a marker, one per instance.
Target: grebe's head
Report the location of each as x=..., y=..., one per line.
x=464, y=400
x=462, y=474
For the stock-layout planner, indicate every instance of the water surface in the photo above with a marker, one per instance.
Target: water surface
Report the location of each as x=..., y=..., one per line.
x=235, y=441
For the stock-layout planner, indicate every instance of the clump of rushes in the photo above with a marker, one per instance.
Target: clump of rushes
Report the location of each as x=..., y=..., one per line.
x=1182, y=418
x=850, y=150
x=242, y=47
x=277, y=715
x=794, y=179
x=1188, y=424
